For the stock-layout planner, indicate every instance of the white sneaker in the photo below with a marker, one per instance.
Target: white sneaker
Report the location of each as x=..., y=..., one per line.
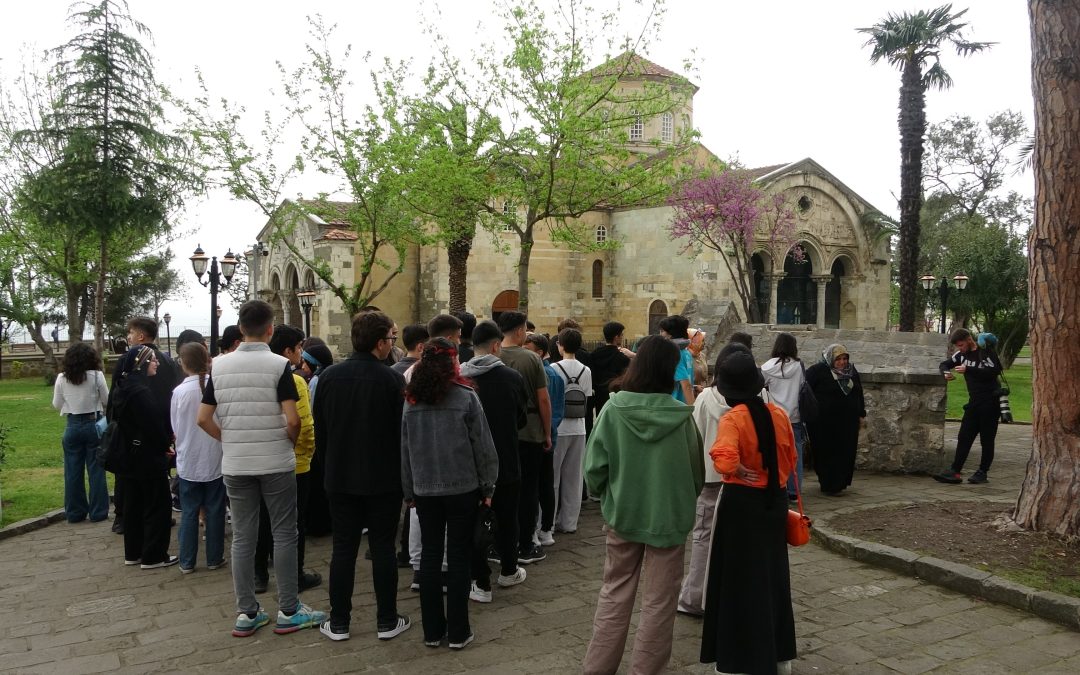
x=478, y=594
x=514, y=579
x=546, y=538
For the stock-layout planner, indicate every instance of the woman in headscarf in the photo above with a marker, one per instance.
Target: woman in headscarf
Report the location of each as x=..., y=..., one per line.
x=144, y=477
x=749, y=624
x=834, y=436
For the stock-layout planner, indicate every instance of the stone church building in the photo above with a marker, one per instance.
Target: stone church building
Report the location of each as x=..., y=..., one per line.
x=843, y=281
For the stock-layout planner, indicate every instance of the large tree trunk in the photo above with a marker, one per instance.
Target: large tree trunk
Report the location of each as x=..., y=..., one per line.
x=73, y=295
x=458, y=254
x=912, y=122
x=524, y=255
x=1050, y=495
x=35, y=329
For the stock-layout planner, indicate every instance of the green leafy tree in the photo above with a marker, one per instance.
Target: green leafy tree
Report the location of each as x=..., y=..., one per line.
x=569, y=142
x=913, y=43
x=140, y=287
x=122, y=174
x=368, y=154
x=972, y=225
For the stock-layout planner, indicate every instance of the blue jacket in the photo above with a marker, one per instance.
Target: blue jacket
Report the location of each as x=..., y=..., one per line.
x=557, y=394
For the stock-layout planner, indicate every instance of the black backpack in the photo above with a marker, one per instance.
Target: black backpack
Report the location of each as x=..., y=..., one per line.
x=575, y=394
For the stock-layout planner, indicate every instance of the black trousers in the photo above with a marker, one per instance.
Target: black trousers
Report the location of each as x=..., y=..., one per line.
x=147, y=517
x=456, y=515
x=980, y=419
x=505, y=505
x=349, y=515
x=530, y=455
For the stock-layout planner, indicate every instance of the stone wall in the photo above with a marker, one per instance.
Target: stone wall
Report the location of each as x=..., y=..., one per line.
x=905, y=393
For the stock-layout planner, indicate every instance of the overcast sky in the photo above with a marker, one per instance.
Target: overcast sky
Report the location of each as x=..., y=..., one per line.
x=779, y=81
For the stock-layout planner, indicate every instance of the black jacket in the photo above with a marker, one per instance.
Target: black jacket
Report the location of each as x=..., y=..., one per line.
x=358, y=426
x=980, y=374
x=606, y=363
x=503, y=396
x=134, y=407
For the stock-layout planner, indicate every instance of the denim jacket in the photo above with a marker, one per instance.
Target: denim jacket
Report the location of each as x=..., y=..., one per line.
x=557, y=394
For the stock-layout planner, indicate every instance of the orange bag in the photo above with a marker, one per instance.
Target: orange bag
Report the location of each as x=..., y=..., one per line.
x=798, y=523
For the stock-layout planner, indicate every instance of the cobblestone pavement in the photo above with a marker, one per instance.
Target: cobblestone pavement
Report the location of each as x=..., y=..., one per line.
x=72, y=607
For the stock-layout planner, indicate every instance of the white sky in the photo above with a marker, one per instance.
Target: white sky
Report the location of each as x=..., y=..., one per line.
x=779, y=81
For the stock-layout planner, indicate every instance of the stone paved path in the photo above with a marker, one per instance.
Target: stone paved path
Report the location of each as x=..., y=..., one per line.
x=72, y=607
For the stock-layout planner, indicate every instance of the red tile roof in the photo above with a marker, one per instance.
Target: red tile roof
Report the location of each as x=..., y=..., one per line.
x=630, y=64
x=336, y=234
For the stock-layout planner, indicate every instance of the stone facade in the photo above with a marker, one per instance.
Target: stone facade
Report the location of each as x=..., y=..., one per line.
x=640, y=276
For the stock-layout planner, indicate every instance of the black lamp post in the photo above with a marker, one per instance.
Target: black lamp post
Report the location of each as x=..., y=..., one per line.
x=215, y=279
x=960, y=281
x=168, y=337
x=307, y=301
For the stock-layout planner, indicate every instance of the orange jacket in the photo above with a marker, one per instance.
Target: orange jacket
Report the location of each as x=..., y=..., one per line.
x=736, y=443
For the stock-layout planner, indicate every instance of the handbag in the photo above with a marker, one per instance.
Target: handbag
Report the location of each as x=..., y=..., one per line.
x=808, y=403
x=798, y=523
x=101, y=422
x=485, y=529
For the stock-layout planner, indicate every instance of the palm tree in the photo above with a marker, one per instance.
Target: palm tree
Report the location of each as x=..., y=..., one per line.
x=912, y=43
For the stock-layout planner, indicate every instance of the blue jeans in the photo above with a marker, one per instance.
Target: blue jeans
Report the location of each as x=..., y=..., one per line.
x=81, y=444
x=800, y=441
x=246, y=493
x=193, y=496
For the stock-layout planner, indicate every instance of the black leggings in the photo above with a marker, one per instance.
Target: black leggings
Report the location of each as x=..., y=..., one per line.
x=980, y=419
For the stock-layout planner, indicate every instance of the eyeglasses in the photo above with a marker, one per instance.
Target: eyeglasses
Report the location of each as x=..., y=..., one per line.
x=391, y=338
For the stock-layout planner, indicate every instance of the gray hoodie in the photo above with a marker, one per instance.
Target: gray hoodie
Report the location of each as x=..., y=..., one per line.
x=446, y=448
x=478, y=365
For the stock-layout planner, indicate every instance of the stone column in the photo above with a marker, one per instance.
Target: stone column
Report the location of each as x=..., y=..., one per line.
x=821, y=280
x=774, y=282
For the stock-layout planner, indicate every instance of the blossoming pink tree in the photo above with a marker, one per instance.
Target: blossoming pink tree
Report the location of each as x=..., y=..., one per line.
x=727, y=213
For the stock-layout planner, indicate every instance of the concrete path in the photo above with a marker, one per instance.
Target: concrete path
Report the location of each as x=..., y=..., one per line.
x=72, y=607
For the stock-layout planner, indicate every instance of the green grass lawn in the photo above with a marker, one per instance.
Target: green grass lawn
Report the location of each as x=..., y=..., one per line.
x=1019, y=377
x=32, y=476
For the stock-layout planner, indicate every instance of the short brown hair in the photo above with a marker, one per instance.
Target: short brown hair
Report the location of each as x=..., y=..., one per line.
x=144, y=324
x=368, y=328
x=959, y=335
x=255, y=318
x=443, y=325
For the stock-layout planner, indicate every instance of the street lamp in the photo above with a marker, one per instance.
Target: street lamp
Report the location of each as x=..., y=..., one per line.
x=214, y=280
x=960, y=282
x=168, y=338
x=307, y=301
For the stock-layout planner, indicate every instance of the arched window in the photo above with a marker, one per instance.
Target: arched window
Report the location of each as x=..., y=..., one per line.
x=657, y=311
x=601, y=234
x=598, y=278
x=667, y=127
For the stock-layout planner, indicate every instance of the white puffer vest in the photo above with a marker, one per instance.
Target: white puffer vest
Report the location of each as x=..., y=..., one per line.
x=254, y=438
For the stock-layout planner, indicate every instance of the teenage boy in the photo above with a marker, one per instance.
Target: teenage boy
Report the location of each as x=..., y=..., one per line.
x=468, y=324
x=534, y=439
x=250, y=406
x=570, y=447
x=358, y=432
x=288, y=342
x=413, y=338
x=502, y=394
x=608, y=362
x=538, y=344
x=980, y=368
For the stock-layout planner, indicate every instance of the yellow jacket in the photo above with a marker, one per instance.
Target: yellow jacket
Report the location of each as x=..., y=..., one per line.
x=305, y=442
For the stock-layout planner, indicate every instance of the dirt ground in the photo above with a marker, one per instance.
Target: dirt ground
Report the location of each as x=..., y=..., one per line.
x=966, y=532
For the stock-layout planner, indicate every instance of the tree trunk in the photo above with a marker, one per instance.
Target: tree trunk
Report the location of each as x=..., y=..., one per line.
x=99, y=298
x=523, y=268
x=458, y=254
x=73, y=293
x=1048, y=497
x=35, y=328
x=912, y=122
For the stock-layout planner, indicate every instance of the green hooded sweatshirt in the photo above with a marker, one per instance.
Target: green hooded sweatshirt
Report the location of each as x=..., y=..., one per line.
x=645, y=462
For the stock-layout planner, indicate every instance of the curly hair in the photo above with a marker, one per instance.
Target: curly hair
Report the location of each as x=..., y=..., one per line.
x=78, y=359
x=435, y=372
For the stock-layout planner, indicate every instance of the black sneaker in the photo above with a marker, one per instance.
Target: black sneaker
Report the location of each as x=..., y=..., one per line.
x=118, y=526
x=532, y=554
x=415, y=585
x=950, y=477
x=176, y=504
x=493, y=555
x=389, y=631
x=978, y=478
x=261, y=583
x=308, y=580
x=334, y=632
x=403, y=560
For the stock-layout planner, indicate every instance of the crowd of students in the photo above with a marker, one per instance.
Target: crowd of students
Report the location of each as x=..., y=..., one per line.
x=467, y=417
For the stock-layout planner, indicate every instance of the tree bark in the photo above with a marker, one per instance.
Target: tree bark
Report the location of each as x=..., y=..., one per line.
x=458, y=254
x=1049, y=498
x=524, y=256
x=912, y=123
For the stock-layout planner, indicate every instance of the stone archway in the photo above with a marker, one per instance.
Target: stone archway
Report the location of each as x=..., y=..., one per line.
x=506, y=301
x=275, y=299
x=839, y=310
x=657, y=312
x=294, y=316
x=760, y=269
x=796, y=294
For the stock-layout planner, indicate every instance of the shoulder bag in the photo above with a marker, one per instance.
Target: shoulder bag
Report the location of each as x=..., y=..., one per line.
x=798, y=523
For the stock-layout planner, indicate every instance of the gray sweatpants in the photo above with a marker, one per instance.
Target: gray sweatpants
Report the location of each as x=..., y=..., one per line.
x=278, y=490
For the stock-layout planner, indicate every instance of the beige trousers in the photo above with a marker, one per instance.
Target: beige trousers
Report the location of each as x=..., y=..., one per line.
x=692, y=597
x=623, y=566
